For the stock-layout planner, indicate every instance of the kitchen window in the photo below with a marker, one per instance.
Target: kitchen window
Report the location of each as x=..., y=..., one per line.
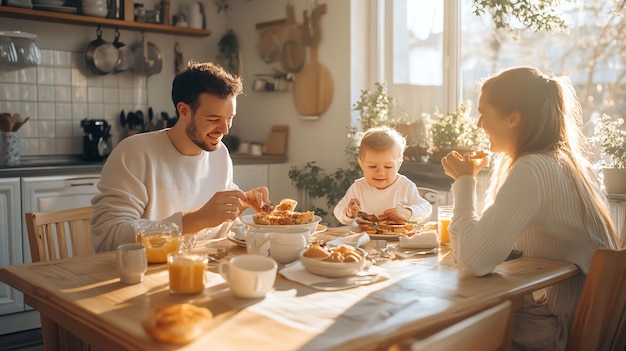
x=437, y=52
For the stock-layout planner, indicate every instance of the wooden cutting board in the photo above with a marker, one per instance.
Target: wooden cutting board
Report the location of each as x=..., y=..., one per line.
x=313, y=85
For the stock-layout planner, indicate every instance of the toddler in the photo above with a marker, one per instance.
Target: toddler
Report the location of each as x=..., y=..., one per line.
x=382, y=190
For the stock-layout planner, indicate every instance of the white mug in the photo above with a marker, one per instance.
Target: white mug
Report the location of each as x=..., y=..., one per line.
x=249, y=276
x=131, y=262
x=285, y=247
x=257, y=241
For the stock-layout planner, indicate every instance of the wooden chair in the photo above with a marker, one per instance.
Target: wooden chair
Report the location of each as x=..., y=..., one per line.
x=489, y=330
x=430, y=195
x=59, y=234
x=600, y=318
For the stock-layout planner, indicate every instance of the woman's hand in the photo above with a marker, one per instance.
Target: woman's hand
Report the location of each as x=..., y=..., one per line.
x=456, y=165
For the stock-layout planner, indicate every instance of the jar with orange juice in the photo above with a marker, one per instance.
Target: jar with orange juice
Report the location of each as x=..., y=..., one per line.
x=159, y=239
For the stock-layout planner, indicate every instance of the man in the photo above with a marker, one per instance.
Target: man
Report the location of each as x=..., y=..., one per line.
x=168, y=175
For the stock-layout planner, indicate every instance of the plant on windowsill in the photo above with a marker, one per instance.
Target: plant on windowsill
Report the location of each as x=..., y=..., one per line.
x=453, y=131
x=610, y=137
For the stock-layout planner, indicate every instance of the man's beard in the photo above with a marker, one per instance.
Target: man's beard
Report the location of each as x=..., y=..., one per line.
x=199, y=140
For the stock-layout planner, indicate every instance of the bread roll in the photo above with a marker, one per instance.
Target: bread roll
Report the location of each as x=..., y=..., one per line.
x=177, y=324
x=316, y=251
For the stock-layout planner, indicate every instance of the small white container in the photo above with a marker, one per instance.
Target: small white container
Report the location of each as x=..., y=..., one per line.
x=95, y=11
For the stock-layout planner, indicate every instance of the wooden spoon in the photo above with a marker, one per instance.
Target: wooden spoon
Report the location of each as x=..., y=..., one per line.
x=5, y=123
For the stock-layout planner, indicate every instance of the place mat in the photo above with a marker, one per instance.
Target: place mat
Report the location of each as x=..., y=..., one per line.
x=297, y=273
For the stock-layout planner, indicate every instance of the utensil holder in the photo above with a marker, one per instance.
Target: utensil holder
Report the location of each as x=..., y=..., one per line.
x=9, y=147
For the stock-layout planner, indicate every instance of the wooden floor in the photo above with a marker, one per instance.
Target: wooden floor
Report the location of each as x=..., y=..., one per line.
x=29, y=340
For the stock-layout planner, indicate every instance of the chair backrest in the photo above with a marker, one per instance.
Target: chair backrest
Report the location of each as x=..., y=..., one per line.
x=600, y=318
x=488, y=330
x=430, y=195
x=59, y=234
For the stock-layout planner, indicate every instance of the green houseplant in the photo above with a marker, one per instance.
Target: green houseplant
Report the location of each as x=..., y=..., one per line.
x=453, y=131
x=610, y=138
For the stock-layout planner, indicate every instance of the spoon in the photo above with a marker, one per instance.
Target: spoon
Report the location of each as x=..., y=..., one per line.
x=5, y=124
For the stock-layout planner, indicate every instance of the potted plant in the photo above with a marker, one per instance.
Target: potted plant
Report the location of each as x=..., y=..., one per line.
x=610, y=137
x=453, y=131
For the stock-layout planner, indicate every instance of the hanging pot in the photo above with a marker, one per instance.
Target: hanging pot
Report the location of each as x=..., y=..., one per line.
x=102, y=56
x=126, y=56
x=148, y=59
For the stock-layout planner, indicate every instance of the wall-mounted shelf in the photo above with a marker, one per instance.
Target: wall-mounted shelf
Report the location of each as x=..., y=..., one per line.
x=67, y=18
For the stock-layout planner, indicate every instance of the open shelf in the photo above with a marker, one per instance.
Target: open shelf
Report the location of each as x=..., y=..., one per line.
x=68, y=18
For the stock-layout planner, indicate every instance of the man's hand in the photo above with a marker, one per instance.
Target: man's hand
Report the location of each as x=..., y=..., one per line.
x=255, y=198
x=224, y=205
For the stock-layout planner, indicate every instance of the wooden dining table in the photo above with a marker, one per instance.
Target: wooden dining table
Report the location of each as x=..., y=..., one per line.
x=84, y=298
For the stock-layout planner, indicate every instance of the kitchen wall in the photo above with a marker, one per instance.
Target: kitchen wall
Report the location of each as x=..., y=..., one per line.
x=58, y=94
x=344, y=50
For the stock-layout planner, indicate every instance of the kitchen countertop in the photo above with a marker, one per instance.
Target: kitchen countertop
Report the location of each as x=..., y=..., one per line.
x=34, y=166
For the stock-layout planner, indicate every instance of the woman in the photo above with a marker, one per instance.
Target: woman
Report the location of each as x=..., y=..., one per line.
x=545, y=197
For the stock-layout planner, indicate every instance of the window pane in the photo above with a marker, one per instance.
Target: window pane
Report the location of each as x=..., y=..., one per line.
x=418, y=42
x=592, y=54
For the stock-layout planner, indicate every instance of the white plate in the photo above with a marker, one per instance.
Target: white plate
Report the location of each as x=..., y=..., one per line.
x=249, y=221
x=330, y=269
x=231, y=236
x=65, y=9
x=382, y=236
x=412, y=251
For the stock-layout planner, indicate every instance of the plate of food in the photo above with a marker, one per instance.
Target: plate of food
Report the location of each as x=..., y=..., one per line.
x=281, y=216
x=336, y=262
x=384, y=228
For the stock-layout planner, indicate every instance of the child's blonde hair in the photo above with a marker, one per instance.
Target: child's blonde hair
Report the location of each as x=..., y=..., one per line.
x=381, y=139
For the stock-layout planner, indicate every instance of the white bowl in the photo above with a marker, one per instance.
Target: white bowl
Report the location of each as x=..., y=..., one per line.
x=330, y=269
x=248, y=220
x=96, y=11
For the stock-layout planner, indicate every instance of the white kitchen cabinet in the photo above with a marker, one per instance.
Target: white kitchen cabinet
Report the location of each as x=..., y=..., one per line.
x=31, y=194
x=251, y=176
x=11, y=300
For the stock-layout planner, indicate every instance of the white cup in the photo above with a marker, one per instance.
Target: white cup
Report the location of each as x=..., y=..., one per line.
x=249, y=276
x=131, y=262
x=257, y=241
x=285, y=247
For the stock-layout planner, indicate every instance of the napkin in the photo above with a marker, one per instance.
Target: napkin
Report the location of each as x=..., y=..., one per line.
x=423, y=240
x=355, y=240
x=297, y=273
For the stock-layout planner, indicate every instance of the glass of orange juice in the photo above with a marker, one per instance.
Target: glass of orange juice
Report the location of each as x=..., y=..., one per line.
x=444, y=216
x=187, y=272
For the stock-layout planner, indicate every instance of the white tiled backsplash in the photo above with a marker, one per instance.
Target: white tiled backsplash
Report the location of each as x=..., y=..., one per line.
x=59, y=93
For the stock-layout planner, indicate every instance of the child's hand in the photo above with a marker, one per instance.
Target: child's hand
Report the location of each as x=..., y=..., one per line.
x=398, y=214
x=353, y=208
